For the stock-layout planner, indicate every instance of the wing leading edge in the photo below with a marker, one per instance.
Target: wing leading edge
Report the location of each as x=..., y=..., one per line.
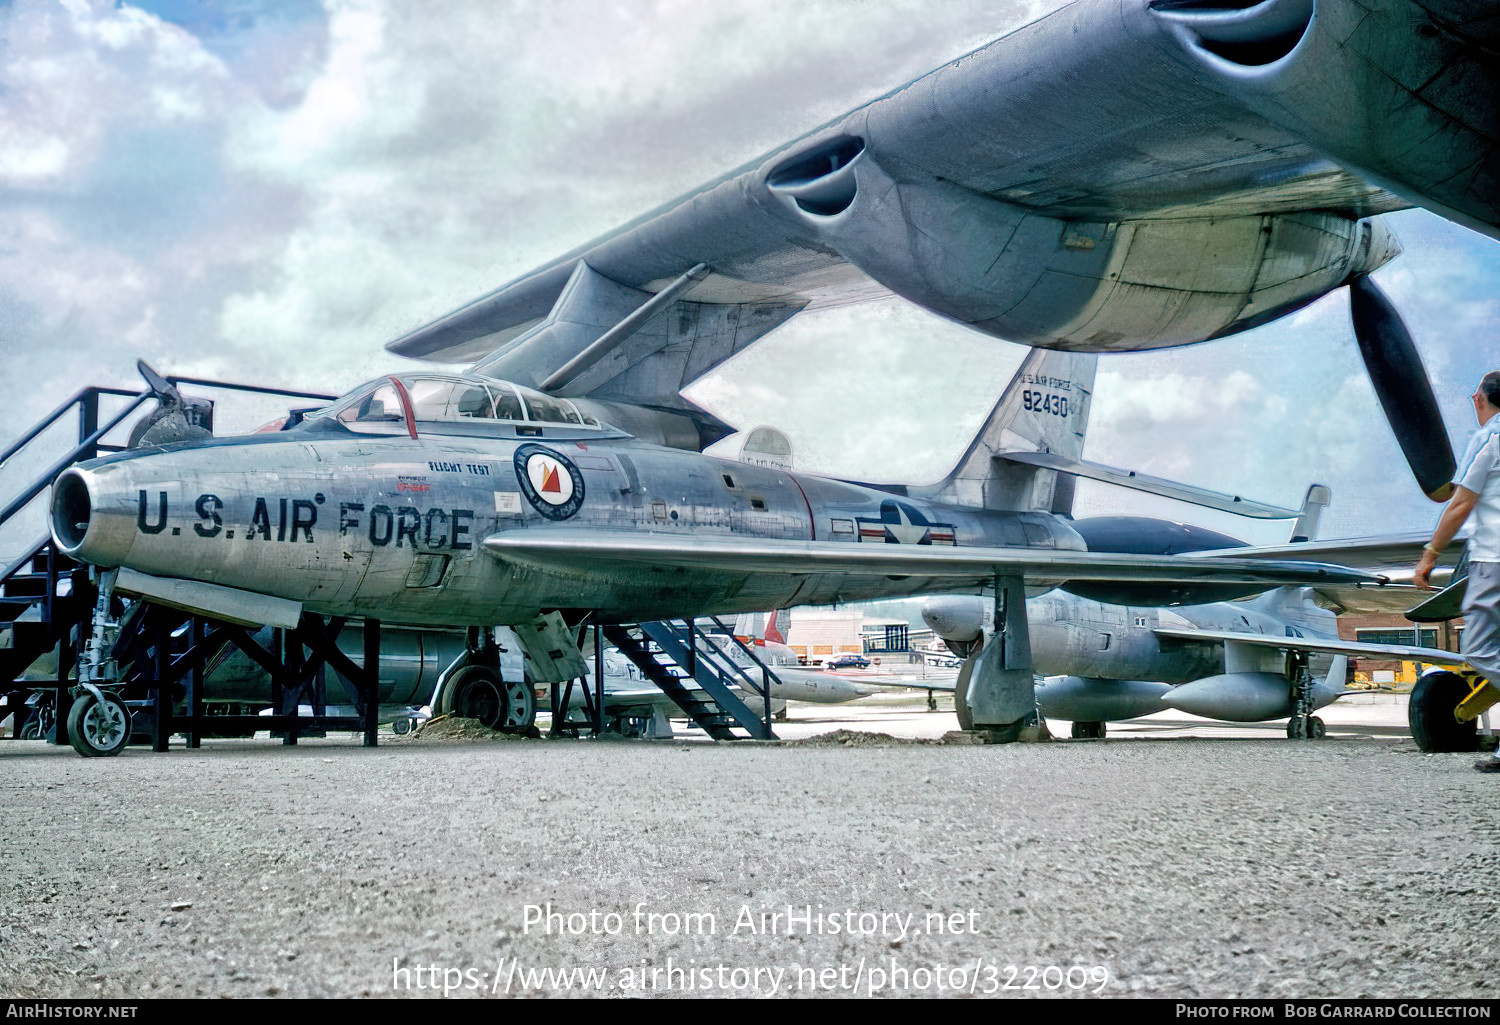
x=964, y=566
x=1328, y=645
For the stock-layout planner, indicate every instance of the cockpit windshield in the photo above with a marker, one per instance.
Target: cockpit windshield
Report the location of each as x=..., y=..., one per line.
x=380, y=406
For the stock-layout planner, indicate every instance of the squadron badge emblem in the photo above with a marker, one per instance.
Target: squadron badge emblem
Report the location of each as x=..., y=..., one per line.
x=550, y=482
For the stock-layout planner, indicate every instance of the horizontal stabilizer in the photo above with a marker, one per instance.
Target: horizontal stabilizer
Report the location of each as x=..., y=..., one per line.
x=590, y=548
x=1153, y=485
x=1328, y=645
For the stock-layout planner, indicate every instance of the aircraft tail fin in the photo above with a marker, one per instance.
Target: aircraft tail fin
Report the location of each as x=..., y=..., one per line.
x=1306, y=528
x=778, y=625
x=771, y=626
x=1044, y=409
x=1328, y=689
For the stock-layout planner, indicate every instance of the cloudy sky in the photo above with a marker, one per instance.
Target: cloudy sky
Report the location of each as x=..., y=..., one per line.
x=270, y=191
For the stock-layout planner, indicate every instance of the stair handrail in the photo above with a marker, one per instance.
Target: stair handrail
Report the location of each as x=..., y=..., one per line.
x=256, y=389
x=88, y=444
x=721, y=657
x=717, y=660
x=31, y=553
x=766, y=674
x=54, y=416
x=718, y=684
x=42, y=482
x=769, y=672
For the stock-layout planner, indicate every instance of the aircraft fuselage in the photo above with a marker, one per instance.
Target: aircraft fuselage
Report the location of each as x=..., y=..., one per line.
x=390, y=527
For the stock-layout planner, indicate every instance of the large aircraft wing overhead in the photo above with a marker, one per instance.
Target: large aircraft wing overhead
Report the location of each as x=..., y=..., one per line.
x=1112, y=176
x=584, y=548
x=1332, y=646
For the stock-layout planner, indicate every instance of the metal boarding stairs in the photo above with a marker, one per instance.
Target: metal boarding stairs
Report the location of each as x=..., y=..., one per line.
x=676, y=654
x=47, y=599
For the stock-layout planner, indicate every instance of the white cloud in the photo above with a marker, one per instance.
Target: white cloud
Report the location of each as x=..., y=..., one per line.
x=26, y=162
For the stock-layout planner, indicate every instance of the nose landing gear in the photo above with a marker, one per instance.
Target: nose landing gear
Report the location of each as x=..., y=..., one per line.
x=98, y=723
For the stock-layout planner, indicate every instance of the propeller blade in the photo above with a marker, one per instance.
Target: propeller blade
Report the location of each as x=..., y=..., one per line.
x=1402, y=386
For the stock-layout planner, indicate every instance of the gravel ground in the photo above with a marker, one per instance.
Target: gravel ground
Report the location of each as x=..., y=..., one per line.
x=1188, y=867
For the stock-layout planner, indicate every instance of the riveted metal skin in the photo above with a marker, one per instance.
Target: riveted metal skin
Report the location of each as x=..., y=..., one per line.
x=391, y=528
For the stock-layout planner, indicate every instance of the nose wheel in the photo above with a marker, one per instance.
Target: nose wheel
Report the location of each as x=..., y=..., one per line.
x=98, y=729
x=1306, y=727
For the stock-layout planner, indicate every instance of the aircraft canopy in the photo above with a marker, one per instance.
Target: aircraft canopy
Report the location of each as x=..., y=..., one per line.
x=382, y=406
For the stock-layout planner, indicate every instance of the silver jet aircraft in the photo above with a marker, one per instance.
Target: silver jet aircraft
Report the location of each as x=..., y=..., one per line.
x=1117, y=175
x=1223, y=660
x=462, y=500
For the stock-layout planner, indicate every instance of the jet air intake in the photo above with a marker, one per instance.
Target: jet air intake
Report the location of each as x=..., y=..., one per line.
x=97, y=516
x=1068, y=283
x=821, y=183
x=71, y=510
x=1403, y=94
x=1242, y=33
x=87, y=525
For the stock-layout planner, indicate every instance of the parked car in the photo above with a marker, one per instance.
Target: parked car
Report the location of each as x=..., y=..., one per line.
x=848, y=662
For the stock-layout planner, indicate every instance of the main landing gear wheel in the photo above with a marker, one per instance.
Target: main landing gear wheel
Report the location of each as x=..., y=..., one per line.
x=1308, y=727
x=1430, y=714
x=1088, y=731
x=480, y=693
x=98, y=729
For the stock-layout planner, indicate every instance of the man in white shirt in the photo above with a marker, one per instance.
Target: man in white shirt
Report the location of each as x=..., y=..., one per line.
x=1477, y=493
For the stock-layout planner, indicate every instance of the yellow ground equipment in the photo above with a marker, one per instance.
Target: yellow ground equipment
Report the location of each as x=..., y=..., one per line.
x=1482, y=696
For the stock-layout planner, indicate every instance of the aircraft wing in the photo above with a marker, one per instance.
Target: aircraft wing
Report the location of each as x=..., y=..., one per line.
x=1390, y=556
x=1327, y=645
x=588, y=548
x=1110, y=176
x=945, y=686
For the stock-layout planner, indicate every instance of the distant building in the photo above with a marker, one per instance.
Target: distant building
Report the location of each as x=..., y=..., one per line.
x=819, y=634
x=1393, y=628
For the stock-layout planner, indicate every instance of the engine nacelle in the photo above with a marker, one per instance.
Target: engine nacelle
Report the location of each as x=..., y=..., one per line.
x=1082, y=286
x=1357, y=80
x=1079, y=699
